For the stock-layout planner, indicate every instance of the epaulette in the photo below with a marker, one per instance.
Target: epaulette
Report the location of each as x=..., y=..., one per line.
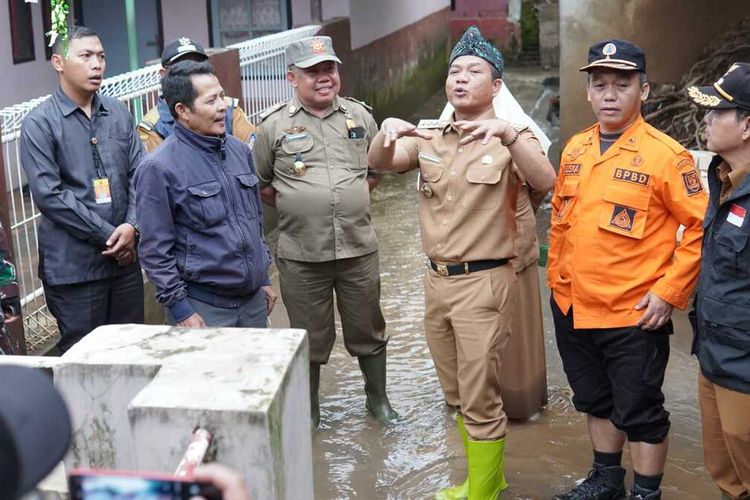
x=366, y=106
x=271, y=110
x=660, y=136
x=149, y=119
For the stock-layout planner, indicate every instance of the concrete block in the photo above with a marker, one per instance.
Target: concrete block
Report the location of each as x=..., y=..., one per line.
x=137, y=392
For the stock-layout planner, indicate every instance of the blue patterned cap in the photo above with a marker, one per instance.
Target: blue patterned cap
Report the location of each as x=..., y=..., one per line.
x=472, y=43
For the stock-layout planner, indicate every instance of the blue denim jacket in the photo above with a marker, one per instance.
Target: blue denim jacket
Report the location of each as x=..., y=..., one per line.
x=201, y=220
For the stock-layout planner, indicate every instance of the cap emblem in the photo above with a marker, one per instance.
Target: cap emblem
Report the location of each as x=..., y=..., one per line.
x=185, y=41
x=702, y=99
x=318, y=47
x=609, y=50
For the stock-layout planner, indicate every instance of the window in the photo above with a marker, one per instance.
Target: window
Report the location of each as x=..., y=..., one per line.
x=239, y=20
x=21, y=31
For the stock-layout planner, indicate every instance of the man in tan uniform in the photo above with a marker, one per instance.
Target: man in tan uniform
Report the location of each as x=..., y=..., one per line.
x=471, y=169
x=311, y=157
x=157, y=124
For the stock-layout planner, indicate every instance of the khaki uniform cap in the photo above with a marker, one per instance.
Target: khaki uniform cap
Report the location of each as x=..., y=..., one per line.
x=310, y=51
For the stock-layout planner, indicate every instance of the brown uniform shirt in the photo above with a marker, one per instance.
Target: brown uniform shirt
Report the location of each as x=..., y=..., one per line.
x=469, y=211
x=730, y=179
x=324, y=211
x=242, y=129
x=527, y=247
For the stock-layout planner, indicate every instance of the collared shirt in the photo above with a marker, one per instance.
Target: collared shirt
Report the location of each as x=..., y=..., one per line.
x=614, y=223
x=730, y=178
x=324, y=207
x=468, y=196
x=204, y=223
x=57, y=156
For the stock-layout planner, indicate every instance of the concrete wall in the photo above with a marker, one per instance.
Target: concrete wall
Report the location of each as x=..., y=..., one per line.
x=373, y=21
x=335, y=8
x=21, y=82
x=301, y=14
x=185, y=18
x=671, y=47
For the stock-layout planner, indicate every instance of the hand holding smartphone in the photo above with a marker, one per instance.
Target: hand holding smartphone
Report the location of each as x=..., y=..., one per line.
x=101, y=484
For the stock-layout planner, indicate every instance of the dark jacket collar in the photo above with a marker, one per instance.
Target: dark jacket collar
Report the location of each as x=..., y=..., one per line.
x=68, y=105
x=204, y=142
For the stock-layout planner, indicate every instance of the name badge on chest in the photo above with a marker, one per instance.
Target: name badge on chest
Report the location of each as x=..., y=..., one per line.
x=102, y=194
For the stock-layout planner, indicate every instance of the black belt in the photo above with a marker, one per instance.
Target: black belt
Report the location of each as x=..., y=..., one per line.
x=466, y=267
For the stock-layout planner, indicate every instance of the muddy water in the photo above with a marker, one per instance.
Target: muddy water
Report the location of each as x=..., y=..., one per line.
x=356, y=457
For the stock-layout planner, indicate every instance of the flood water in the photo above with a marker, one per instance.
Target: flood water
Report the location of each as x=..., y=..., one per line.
x=356, y=457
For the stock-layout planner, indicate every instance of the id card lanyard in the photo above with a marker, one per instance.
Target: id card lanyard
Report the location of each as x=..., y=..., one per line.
x=102, y=194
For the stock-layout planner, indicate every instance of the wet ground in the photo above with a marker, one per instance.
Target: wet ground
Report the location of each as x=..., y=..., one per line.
x=356, y=457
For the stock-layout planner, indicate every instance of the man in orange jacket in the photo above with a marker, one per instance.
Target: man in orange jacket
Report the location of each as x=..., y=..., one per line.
x=616, y=271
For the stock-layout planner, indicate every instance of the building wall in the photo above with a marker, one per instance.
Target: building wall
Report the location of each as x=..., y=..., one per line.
x=371, y=21
x=21, y=82
x=185, y=18
x=335, y=8
x=671, y=48
x=301, y=14
x=492, y=19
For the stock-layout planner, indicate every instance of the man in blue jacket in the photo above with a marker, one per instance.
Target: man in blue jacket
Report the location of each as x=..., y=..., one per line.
x=721, y=322
x=202, y=242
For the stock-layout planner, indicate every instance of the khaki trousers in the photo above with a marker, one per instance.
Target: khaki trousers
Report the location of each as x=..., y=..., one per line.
x=467, y=323
x=307, y=290
x=725, y=418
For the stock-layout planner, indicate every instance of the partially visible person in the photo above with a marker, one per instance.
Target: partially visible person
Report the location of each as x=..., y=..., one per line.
x=80, y=152
x=158, y=123
x=35, y=429
x=202, y=243
x=617, y=270
x=228, y=481
x=311, y=156
x=523, y=373
x=10, y=301
x=721, y=318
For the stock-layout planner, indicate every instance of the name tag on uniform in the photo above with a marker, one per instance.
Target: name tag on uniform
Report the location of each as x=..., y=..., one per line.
x=736, y=215
x=428, y=157
x=102, y=194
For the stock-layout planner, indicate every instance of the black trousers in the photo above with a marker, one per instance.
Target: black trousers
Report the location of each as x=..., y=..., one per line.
x=617, y=374
x=81, y=307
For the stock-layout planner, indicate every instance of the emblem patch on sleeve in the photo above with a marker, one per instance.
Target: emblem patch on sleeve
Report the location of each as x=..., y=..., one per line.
x=571, y=168
x=692, y=182
x=622, y=218
x=632, y=176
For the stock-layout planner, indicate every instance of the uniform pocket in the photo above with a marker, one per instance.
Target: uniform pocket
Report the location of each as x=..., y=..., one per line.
x=625, y=210
x=568, y=195
x=731, y=243
x=206, y=204
x=481, y=193
x=358, y=150
x=248, y=186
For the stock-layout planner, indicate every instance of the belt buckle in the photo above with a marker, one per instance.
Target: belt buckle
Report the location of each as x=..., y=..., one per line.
x=442, y=269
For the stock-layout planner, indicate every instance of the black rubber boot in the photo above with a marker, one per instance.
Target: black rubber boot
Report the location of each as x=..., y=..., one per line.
x=603, y=483
x=314, y=403
x=373, y=370
x=638, y=493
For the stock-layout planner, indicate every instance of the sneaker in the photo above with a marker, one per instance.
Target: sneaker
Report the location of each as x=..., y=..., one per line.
x=638, y=493
x=602, y=483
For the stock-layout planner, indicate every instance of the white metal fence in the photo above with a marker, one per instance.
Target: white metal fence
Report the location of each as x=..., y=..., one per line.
x=262, y=70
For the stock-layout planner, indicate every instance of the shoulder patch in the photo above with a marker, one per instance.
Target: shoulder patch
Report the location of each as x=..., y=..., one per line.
x=271, y=110
x=365, y=105
x=683, y=162
x=692, y=182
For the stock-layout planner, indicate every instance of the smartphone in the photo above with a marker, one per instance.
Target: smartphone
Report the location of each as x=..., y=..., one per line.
x=102, y=484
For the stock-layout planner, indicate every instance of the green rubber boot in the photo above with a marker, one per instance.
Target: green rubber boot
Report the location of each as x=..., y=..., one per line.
x=314, y=402
x=373, y=370
x=461, y=491
x=486, y=473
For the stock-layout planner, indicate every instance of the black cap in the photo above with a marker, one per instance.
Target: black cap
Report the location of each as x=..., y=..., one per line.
x=180, y=47
x=730, y=91
x=616, y=54
x=35, y=427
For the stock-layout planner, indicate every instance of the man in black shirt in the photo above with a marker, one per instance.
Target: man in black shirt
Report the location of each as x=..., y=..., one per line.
x=79, y=151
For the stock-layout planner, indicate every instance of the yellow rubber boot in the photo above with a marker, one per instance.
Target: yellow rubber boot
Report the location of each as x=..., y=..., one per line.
x=486, y=472
x=461, y=491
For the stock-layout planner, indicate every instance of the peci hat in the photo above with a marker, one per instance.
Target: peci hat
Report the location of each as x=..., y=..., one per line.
x=180, y=47
x=310, y=51
x=472, y=43
x=730, y=91
x=35, y=429
x=616, y=54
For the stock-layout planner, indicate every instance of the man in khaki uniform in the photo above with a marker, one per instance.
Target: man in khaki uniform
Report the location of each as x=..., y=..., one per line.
x=157, y=124
x=311, y=157
x=471, y=169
